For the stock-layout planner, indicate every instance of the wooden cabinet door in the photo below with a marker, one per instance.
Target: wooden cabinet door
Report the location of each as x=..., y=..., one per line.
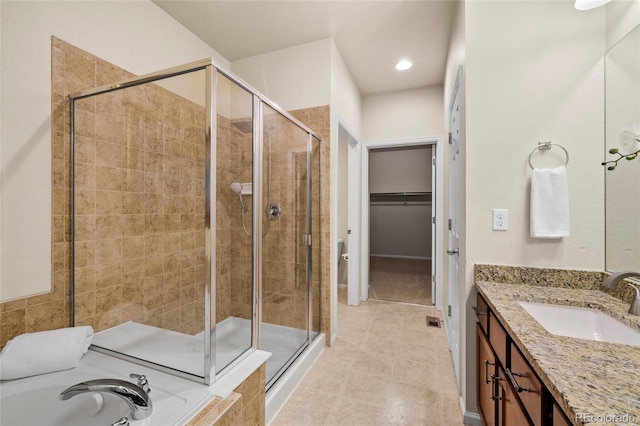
x=510, y=412
x=482, y=312
x=559, y=419
x=485, y=371
x=530, y=392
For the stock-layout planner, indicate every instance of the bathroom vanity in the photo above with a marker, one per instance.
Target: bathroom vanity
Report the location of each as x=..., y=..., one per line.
x=527, y=375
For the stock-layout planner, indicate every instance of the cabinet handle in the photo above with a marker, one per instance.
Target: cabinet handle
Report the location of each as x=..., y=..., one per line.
x=512, y=379
x=479, y=311
x=494, y=387
x=486, y=371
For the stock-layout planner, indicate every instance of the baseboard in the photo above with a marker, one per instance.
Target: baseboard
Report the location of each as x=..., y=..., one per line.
x=284, y=387
x=471, y=419
x=468, y=417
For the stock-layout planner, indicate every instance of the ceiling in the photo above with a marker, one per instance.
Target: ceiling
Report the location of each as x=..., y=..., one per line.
x=372, y=36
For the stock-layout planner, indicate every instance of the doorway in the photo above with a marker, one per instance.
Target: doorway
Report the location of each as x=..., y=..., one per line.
x=400, y=212
x=397, y=207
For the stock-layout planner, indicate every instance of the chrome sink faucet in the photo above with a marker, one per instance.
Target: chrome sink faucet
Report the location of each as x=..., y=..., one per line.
x=612, y=281
x=135, y=396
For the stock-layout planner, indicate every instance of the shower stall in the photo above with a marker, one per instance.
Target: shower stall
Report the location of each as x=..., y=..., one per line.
x=195, y=223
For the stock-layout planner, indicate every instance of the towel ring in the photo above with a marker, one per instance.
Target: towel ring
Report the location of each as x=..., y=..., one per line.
x=543, y=146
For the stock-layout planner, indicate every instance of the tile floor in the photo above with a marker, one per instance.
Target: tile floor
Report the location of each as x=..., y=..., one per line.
x=386, y=368
x=400, y=280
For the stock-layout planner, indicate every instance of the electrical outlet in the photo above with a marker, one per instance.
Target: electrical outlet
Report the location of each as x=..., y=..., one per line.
x=500, y=219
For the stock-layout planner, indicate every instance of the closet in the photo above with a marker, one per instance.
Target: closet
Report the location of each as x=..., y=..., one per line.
x=400, y=211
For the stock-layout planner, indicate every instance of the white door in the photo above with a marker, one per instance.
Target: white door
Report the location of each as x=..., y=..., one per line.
x=455, y=216
x=353, y=223
x=433, y=225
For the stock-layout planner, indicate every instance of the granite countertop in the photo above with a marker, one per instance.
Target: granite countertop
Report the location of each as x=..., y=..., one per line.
x=585, y=377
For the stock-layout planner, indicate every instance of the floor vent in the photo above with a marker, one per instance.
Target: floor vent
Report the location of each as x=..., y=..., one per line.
x=433, y=322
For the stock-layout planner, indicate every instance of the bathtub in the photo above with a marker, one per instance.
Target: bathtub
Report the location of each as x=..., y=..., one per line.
x=33, y=401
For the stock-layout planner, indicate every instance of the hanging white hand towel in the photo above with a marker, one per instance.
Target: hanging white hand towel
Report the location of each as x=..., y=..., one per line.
x=549, y=203
x=30, y=354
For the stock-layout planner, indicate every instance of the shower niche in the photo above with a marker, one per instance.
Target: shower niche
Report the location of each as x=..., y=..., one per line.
x=194, y=223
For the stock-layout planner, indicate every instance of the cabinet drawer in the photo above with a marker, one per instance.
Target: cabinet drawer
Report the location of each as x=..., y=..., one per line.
x=482, y=312
x=498, y=338
x=526, y=383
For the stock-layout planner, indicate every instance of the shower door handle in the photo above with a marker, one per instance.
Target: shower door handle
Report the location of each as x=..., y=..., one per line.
x=451, y=252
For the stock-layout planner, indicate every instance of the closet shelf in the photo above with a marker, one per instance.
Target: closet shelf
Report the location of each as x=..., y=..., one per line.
x=400, y=198
x=376, y=194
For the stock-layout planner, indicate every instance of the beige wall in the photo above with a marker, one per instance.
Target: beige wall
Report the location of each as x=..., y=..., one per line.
x=295, y=78
x=408, y=114
x=622, y=17
x=346, y=106
x=544, y=81
x=137, y=35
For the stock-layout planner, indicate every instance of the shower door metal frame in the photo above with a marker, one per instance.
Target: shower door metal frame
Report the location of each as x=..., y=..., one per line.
x=212, y=69
x=209, y=67
x=211, y=80
x=310, y=231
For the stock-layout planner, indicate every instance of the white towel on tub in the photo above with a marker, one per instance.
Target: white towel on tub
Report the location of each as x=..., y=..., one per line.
x=549, y=203
x=31, y=354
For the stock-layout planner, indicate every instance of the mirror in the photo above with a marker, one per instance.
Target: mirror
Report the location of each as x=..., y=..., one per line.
x=622, y=124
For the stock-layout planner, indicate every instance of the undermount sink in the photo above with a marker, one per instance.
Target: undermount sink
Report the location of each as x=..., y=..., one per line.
x=581, y=323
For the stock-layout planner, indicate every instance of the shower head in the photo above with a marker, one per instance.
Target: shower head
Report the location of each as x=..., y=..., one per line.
x=236, y=187
x=269, y=128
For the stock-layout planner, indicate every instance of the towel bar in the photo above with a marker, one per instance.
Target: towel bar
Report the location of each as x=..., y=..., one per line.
x=543, y=146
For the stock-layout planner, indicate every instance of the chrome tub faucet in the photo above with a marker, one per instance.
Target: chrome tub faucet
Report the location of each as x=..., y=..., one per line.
x=612, y=281
x=134, y=395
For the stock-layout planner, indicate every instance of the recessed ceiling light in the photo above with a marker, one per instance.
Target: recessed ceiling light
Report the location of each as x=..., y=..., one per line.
x=403, y=65
x=589, y=4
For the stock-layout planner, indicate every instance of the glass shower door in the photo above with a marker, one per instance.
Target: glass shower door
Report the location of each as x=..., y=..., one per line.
x=234, y=216
x=138, y=219
x=285, y=223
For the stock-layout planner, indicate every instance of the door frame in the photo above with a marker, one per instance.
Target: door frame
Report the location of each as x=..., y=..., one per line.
x=438, y=192
x=353, y=239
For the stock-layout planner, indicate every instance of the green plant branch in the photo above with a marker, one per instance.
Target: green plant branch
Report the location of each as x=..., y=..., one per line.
x=614, y=163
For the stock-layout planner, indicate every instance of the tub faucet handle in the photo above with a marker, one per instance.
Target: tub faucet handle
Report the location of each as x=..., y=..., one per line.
x=142, y=381
x=133, y=395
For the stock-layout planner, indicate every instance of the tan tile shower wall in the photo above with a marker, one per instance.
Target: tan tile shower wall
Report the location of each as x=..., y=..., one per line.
x=139, y=165
x=240, y=169
x=233, y=246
